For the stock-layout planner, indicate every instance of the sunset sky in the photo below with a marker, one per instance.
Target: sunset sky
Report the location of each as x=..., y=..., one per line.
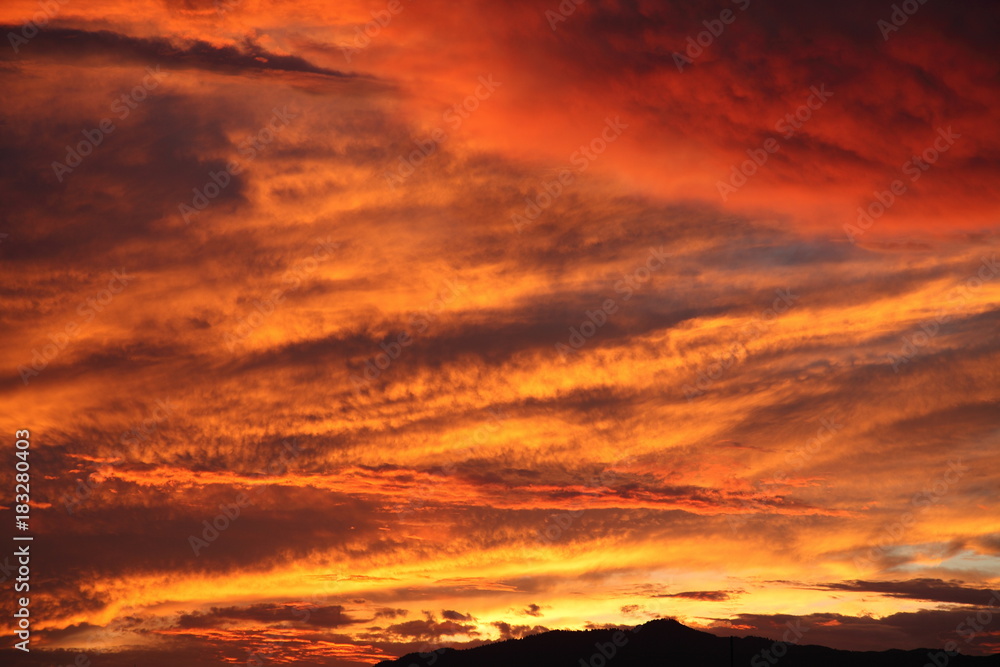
x=480, y=319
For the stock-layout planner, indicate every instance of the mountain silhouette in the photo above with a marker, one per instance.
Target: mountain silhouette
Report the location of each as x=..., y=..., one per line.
x=664, y=643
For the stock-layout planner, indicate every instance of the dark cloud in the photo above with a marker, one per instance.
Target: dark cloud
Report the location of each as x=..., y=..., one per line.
x=450, y=615
x=431, y=629
x=705, y=596
x=924, y=629
x=934, y=590
x=508, y=631
x=331, y=616
x=104, y=45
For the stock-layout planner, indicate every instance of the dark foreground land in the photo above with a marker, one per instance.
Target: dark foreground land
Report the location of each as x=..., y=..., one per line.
x=664, y=643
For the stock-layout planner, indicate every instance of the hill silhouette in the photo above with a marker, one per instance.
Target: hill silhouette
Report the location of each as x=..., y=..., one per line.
x=663, y=643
